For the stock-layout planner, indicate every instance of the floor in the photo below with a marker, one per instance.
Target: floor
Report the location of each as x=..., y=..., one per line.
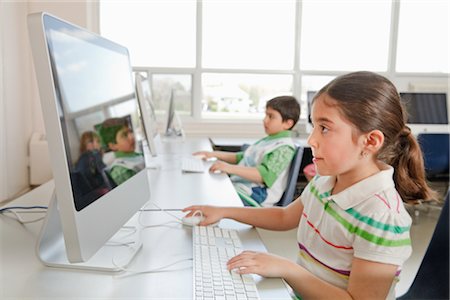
x=424, y=221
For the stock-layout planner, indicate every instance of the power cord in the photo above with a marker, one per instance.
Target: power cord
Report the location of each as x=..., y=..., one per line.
x=25, y=209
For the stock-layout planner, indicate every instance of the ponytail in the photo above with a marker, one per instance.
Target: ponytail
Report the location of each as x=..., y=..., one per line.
x=409, y=174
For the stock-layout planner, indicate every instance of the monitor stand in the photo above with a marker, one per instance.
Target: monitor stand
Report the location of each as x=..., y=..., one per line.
x=114, y=256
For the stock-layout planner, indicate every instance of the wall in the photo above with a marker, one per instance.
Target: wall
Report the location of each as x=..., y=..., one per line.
x=20, y=110
x=15, y=125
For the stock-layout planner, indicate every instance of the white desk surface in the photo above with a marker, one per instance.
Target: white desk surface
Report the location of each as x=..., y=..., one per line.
x=22, y=275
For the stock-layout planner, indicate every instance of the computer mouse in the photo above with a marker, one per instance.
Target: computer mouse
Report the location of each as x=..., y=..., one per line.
x=217, y=172
x=192, y=220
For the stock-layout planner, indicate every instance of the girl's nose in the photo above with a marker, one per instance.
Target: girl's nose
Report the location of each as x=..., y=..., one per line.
x=311, y=140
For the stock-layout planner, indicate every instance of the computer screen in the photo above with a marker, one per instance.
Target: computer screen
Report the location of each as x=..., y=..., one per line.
x=173, y=126
x=309, y=98
x=427, y=112
x=85, y=80
x=147, y=109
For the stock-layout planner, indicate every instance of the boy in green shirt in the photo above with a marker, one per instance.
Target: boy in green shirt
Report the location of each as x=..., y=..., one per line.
x=118, y=136
x=260, y=173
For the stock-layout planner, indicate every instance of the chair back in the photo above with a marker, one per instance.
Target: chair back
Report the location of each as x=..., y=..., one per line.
x=294, y=170
x=431, y=281
x=435, y=149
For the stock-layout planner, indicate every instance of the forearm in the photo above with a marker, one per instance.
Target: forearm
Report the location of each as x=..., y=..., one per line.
x=309, y=286
x=249, y=173
x=272, y=218
x=228, y=157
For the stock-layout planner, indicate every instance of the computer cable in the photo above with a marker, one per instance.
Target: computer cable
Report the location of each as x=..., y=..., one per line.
x=24, y=209
x=163, y=268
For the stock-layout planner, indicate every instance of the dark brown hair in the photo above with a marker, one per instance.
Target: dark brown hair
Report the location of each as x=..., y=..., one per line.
x=371, y=102
x=287, y=106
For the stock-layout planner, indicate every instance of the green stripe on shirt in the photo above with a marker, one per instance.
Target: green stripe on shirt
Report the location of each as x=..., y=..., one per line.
x=360, y=232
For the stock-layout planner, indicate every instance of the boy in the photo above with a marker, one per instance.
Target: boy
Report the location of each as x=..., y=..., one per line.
x=117, y=135
x=260, y=173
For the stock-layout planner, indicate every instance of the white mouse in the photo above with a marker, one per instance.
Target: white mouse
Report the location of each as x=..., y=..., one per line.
x=217, y=172
x=192, y=220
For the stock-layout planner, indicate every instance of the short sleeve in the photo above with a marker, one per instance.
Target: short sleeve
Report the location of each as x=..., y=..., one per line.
x=239, y=156
x=274, y=163
x=383, y=237
x=120, y=174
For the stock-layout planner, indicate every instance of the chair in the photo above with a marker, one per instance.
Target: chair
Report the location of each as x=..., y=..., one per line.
x=294, y=170
x=435, y=149
x=431, y=281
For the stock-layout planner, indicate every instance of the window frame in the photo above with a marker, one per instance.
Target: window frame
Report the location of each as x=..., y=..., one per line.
x=405, y=81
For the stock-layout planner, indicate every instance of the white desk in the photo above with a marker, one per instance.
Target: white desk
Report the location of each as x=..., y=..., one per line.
x=23, y=276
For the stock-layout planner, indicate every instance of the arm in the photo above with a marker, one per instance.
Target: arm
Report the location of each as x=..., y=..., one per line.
x=228, y=157
x=250, y=173
x=272, y=218
x=272, y=165
x=368, y=280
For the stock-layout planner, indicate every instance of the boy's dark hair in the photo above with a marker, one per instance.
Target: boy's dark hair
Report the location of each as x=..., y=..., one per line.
x=287, y=106
x=109, y=129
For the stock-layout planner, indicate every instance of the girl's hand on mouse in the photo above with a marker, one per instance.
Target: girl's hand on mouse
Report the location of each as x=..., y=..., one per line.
x=212, y=214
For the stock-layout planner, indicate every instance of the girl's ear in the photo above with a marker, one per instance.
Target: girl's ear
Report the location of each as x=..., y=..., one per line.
x=374, y=141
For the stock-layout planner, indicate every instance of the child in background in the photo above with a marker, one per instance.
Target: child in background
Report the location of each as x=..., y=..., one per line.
x=260, y=173
x=353, y=230
x=89, y=141
x=90, y=164
x=118, y=136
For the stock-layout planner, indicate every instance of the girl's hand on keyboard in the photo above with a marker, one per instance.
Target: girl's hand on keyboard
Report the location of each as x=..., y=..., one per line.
x=212, y=214
x=264, y=264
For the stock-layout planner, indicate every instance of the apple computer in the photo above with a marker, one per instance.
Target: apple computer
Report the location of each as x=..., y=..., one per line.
x=309, y=98
x=147, y=109
x=427, y=112
x=84, y=79
x=173, y=126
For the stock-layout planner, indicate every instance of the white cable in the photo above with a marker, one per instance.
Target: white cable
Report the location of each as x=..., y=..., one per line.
x=19, y=219
x=158, y=209
x=155, y=270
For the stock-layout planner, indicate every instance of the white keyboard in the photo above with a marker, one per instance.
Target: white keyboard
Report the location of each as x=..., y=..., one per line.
x=212, y=248
x=192, y=165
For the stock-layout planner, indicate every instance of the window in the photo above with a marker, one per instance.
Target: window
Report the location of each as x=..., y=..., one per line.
x=180, y=86
x=157, y=33
x=241, y=94
x=248, y=34
x=423, y=37
x=345, y=35
x=227, y=58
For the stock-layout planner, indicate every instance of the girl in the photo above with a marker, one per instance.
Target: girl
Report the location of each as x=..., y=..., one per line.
x=353, y=230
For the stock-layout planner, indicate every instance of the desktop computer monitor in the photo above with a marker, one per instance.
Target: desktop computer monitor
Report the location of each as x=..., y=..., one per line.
x=427, y=112
x=147, y=109
x=173, y=127
x=309, y=98
x=83, y=79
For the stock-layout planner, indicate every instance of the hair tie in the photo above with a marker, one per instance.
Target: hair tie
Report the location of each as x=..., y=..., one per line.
x=406, y=131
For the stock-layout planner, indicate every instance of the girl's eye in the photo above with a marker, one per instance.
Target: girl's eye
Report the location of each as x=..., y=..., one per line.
x=323, y=129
